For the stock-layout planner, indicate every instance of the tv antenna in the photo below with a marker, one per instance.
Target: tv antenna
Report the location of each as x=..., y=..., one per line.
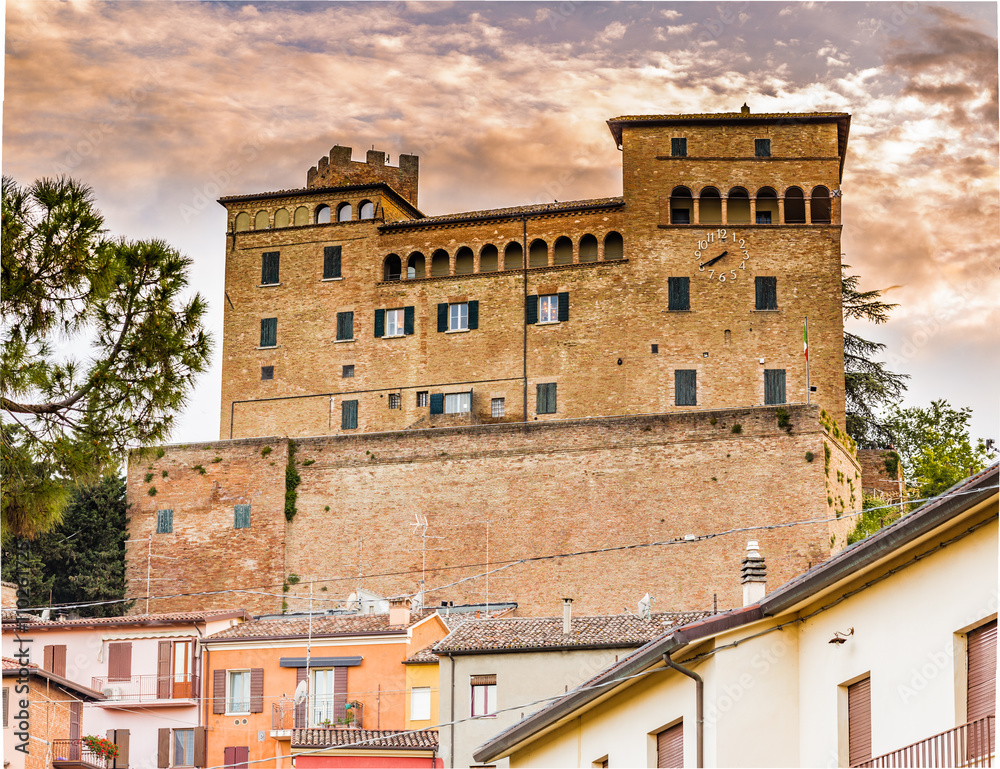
x=420, y=530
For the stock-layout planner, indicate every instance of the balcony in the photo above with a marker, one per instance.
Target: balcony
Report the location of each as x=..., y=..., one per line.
x=73, y=753
x=172, y=690
x=285, y=715
x=971, y=744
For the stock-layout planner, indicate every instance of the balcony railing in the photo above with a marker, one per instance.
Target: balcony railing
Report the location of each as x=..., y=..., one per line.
x=76, y=752
x=322, y=710
x=147, y=688
x=971, y=744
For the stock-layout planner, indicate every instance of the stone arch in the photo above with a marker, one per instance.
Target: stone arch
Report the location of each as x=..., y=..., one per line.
x=282, y=218
x=439, y=264
x=391, y=268
x=242, y=221
x=738, y=206
x=795, y=206
x=767, y=206
x=588, y=248
x=322, y=214
x=538, y=253
x=820, y=205
x=301, y=216
x=465, y=261
x=614, y=246
x=415, y=265
x=489, y=258
x=344, y=212
x=513, y=256
x=710, y=206
x=260, y=221
x=681, y=206
x=563, y=251
x=366, y=210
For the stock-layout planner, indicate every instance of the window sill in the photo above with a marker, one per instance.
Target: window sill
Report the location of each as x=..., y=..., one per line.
x=269, y=285
x=329, y=280
x=242, y=713
x=548, y=323
x=393, y=336
x=342, y=341
x=458, y=331
x=272, y=347
x=679, y=311
x=776, y=309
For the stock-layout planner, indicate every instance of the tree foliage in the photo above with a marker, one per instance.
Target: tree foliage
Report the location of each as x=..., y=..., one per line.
x=100, y=347
x=83, y=558
x=934, y=446
x=868, y=385
x=875, y=515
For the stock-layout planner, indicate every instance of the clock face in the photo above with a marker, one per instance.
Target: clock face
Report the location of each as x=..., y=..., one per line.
x=722, y=255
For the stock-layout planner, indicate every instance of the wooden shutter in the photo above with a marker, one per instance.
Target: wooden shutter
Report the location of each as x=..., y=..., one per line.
x=162, y=748
x=473, y=314
x=678, y=294
x=349, y=415
x=300, y=709
x=268, y=332
x=442, y=317
x=119, y=661
x=345, y=325
x=545, y=398
x=982, y=672
x=774, y=386
x=379, y=324
x=564, y=306
x=678, y=147
x=670, y=746
x=6, y=704
x=241, y=516
x=241, y=757
x=120, y=738
x=859, y=722
x=487, y=680
x=269, y=268
x=75, y=715
x=437, y=403
x=229, y=757
x=257, y=690
x=685, y=387
x=339, y=693
x=408, y=320
x=218, y=692
x=331, y=262
x=762, y=148
x=531, y=310
x=766, y=290
x=163, y=671
x=54, y=659
x=199, y=746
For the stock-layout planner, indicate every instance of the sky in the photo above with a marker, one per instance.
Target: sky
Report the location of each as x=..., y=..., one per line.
x=162, y=107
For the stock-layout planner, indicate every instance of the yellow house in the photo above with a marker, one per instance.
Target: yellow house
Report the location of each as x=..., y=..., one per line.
x=421, y=688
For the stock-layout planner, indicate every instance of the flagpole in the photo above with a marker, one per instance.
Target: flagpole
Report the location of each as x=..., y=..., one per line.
x=805, y=341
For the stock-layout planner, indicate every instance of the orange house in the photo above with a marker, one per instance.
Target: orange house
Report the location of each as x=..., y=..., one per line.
x=348, y=670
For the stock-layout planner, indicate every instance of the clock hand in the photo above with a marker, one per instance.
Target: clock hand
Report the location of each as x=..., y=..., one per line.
x=710, y=262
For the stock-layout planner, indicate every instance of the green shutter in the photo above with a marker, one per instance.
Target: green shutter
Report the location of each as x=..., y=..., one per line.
x=563, y=306
x=678, y=294
x=531, y=311
x=268, y=332
x=269, y=268
x=164, y=521
x=349, y=415
x=545, y=398
x=408, y=320
x=379, y=324
x=774, y=386
x=473, y=315
x=437, y=403
x=766, y=290
x=678, y=148
x=241, y=517
x=331, y=262
x=762, y=148
x=685, y=387
x=345, y=325
x=442, y=317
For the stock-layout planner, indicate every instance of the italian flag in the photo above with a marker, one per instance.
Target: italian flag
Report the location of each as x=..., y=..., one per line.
x=805, y=339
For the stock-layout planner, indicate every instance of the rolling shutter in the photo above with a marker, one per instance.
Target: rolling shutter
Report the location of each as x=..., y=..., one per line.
x=331, y=262
x=257, y=690
x=685, y=387
x=163, y=671
x=564, y=306
x=339, y=693
x=300, y=708
x=442, y=317
x=218, y=692
x=437, y=403
x=269, y=268
x=349, y=415
x=670, y=746
x=766, y=290
x=678, y=294
x=859, y=722
x=408, y=320
x=982, y=672
x=119, y=661
x=774, y=386
x=487, y=680
x=268, y=332
x=379, y=324
x=473, y=315
x=531, y=310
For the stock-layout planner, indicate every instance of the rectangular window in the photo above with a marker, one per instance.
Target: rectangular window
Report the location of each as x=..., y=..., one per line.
x=183, y=747
x=766, y=292
x=670, y=747
x=458, y=316
x=6, y=704
x=680, y=215
x=458, y=403
x=685, y=387
x=349, y=415
x=164, y=521
x=241, y=517
x=763, y=217
x=120, y=661
x=395, y=400
x=394, y=322
x=54, y=659
x=545, y=398
x=238, y=693
x=268, y=332
x=762, y=148
x=345, y=326
x=266, y=372
x=497, y=407
x=678, y=147
x=678, y=294
x=420, y=703
x=548, y=309
x=484, y=695
x=422, y=399
x=269, y=269
x=348, y=371
x=655, y=349
x=323, y=691
x=859, y=721
x=331, y=262
x=774, y=386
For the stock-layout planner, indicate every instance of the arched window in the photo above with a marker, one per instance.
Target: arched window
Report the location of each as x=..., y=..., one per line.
x=563, y=251
x=301, y=216
x=710, y=206
x=489, y=258
x=281, y=217
x=738, y=206
x=820, y=205
x=614, y=247
x=465, y=261
x=439, y=263
x=415, y=266
x=260, y=221
x=795, y=206
x=344, y=212
x=391, y=269
x=322, y=214
x=767, y=206
x=588, y=248
x=513, y=256
x=242, y=221
x=538, y=253
x=681, y=206
x=366, y=210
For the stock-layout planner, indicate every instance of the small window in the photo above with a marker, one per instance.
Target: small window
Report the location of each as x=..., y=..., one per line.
x=548, y=309
x=458, y=403
x=763, y=217
x=331, y=262
x=394, y=400
x=367, y=210
x=484, y=696
x=349, y=415
x=242, y=221
x=183, y=747
x=655, y=349
x=267, y=372
x=458, y=316
x=422, y=399
x=685, y=387
x=766, y=290
x=260, y=221
x=345, y=326
x=323, y=214
x=670, y=747
x=348, y=372
x=238, y=693
x=394, y=322
x=774, y=386
x=762, y=148
x=678, y=294
x=545, y=396
x=241, y=517
x=497, y=407
x=679, y=147
x=268, y=332
x=269, y=268
x=164, y=521
x=344, y=212
x=420, y=703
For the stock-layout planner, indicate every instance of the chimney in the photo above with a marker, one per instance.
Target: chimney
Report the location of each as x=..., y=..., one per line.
x=753, y=574
x=567, y=616
x=399, y=612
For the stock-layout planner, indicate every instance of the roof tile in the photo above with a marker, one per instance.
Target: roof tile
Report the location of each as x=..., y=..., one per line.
x=366, y=738
x=337, y=624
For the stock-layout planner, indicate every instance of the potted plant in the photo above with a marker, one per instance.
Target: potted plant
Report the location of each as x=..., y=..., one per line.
x=100, y=747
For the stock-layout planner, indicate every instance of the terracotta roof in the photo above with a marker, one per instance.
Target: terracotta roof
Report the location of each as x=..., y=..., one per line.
x=425, y=656
x=11, y=668
x=727, y=116
x=9, y=663
x=135, y=619
x=519, y=633
x=360, y=739
x=505, y=213
x=337, y=624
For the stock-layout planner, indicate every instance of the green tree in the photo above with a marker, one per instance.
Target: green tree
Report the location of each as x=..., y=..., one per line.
x=875, y=515
x=934, y=445
x=68, y=288
x=868, y=385
x=83, y=558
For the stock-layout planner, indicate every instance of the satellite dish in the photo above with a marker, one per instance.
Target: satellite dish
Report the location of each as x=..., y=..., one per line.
x=301, y=692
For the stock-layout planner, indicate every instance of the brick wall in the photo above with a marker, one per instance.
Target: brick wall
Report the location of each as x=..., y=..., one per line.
x=338, y=169
x=875, y=476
